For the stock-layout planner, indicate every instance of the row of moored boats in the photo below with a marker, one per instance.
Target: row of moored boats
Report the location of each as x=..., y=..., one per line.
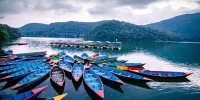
x=92, y=68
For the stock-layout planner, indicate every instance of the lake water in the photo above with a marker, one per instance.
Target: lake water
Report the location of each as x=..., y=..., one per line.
x=171, y=56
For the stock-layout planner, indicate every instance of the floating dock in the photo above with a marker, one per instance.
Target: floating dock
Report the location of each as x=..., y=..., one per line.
x=90, y=44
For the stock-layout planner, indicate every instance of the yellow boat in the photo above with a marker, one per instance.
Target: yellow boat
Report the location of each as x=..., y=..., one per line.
x=59, y=97
x=122, y=67
x=55, y=58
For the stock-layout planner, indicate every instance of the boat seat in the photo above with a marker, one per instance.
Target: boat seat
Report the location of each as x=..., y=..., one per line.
x=94, y=84
x=129, y=76
x=91, y=79
x=120, y=73
x=89, y=74
x=101, y=73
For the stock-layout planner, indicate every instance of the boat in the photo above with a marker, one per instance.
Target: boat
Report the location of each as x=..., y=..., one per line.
x=27, y=95
x=125, y=74
x=77, y=71
x=95, y=55
x=107, y=60
x=128, y=64
x=106, y=74
x=67, y=58
x=8, y=58
x=59, y=97
x=33, y=77
x=93, y=81
x=22, y=43
x=85, y=56
x=161, y=74
x=116, y=45
x=57, y=75
x=21, y=73
x=79, y=59
x=119, y=61
x=20, y=61
x=100, y=58
x=124, y=66
x=16, y=68
x=32, y=54
x=66, y=66
x=55, y=58
x=4, y=68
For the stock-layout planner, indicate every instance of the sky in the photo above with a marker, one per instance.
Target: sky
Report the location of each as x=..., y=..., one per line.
x=17, y=13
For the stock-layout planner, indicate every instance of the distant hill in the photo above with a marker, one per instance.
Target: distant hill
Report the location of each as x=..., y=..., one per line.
x=112, y=30
x=12, y=32
x=58, y=29
x=8, y=33
x=102, y=30
x=187, y=26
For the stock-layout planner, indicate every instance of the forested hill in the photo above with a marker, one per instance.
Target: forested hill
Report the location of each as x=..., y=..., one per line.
x=12, y=33
x=112, y=30
x=187, y=26
x=8, y=33
x=102, y=30
x=58, y=29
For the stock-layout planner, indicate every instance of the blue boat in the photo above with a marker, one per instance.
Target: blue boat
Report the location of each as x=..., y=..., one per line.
x=106, y=74
x=27, y=95
x=67, y=58
x=94, y=82
x=31, y=54
x=85, y=56
x=128, y=64
x=57, y=75
x=21, y=61
x=77, y=71
x=161, y=74
x=100, y=58
x=16, y=68
x=24, y=72
x=33, y=77
x=66, y=66
x=125, y=74
x=79, y=59
x=7, y=67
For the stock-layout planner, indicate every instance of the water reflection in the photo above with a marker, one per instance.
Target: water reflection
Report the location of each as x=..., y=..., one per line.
x=157, y=56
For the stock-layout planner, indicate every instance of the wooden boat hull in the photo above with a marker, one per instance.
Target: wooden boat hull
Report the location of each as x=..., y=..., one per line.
x=85, y=56
x=15, y=77
x=8, y=58
x=161, y=74
x=68, y=59
x=106, y=75
x=66, y=66
x=27, y=95
x=95, y=85
x=58, y=71
x=126, y=75
x=32, y=54
x=59, y=97
x=77, y=71
x=33, y=77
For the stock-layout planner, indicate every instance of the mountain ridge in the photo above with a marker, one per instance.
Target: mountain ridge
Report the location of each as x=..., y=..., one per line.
x=186, y=25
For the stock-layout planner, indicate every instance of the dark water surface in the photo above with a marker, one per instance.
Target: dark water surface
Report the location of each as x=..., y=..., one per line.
x=172, y=56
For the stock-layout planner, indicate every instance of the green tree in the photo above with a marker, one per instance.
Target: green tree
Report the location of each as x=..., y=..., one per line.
x=3, y=36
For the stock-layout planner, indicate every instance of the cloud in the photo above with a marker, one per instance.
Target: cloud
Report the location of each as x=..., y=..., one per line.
x=18, y=6
x=20, y=12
